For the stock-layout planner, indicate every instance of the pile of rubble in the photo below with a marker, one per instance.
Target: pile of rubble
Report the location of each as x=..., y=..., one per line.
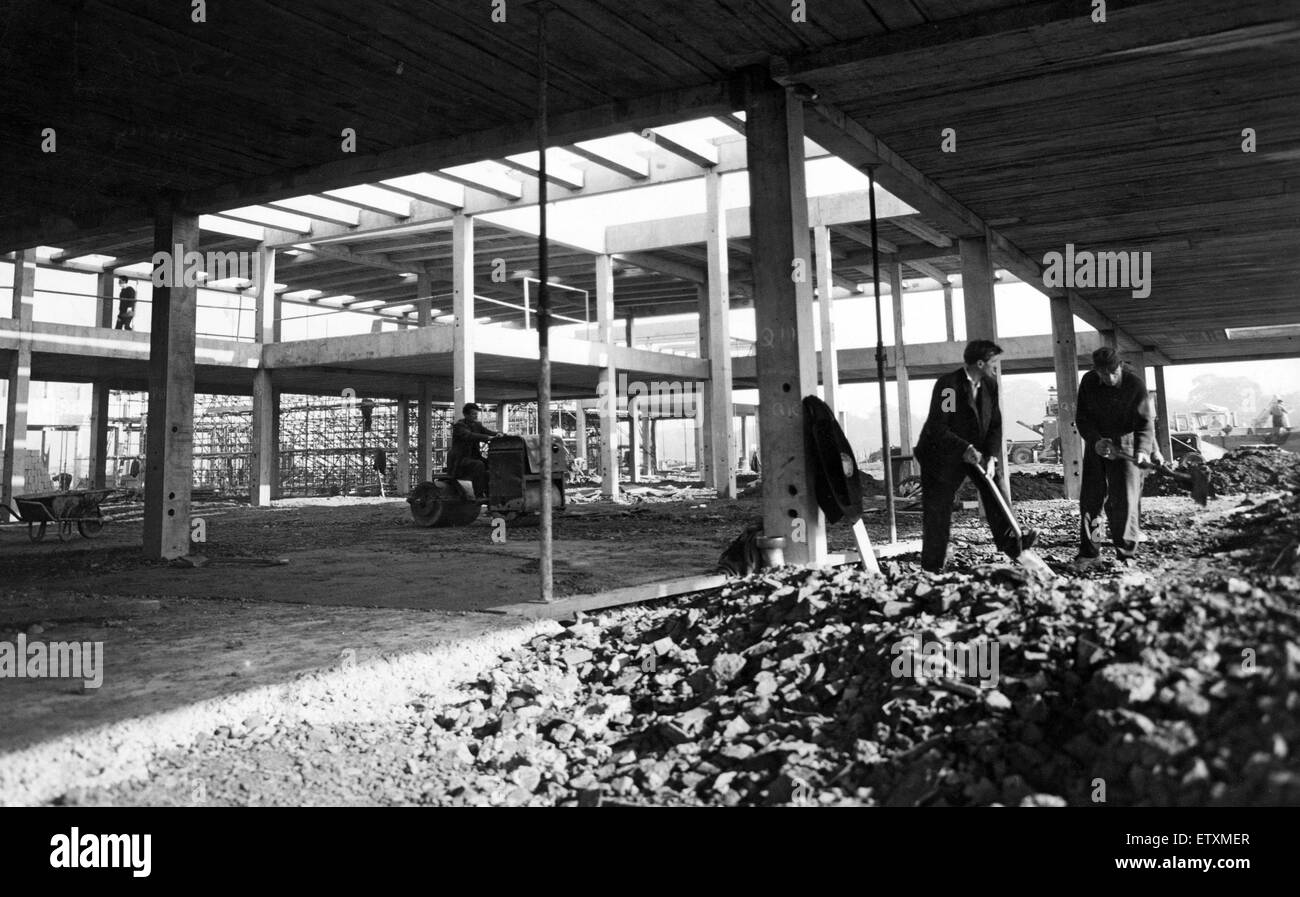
x=827, y=687
x=1267, y=534
x=1041, y=485
x=1241, y=471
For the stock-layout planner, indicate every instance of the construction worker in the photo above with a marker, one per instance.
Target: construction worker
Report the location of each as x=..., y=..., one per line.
x=1113, y=404
x=125, y=306
x=465, y=460
x=1281, y=416
x=963, y=432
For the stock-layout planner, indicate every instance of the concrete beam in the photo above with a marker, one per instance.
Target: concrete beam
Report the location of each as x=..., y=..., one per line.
x=858, y=146
x=673, y=268
x=685, y=230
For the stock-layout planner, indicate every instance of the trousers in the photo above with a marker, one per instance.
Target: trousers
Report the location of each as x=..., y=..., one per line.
x=1109, y=496
x=939, y=485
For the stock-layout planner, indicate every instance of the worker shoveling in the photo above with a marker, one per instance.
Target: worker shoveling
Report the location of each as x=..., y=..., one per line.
x=1192, y=477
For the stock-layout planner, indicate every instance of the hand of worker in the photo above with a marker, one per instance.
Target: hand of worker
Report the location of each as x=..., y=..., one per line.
x=971, y=455
x=1142, y=458
x=992, y=468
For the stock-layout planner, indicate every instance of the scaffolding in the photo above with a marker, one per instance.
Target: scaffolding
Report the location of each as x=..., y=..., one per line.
x=324, y=446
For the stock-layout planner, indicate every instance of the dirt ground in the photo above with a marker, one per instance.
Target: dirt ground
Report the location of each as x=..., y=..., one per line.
x=408, y=756
x=360, y=578
x=289, y=589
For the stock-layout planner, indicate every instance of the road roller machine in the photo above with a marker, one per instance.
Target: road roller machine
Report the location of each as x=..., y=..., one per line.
x=514, y=465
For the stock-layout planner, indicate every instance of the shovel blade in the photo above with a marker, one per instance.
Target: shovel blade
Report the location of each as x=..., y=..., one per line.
x=1201, y=489
x=1035, y=565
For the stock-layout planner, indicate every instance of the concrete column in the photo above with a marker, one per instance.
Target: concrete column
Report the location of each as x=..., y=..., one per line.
x=1162, y=415
x=786, y=358
x=900, y=370
x=982, y=323
x=423, y=299
x=424, y=432
x=19, y=373
x=263, y=474
x=703, y=435
x=1066, y=358
x=947, y=313
x=403, y=446
x=580, y=414
x=627, y=330
x=98, y=434
x=169, y=458
x=744, y=440
x=652, y=445
x=719, y=440
x=633, y=439
x=607, y=387
x=462, y=277
x=276, y=487
x=105, y=284
x=264, y=284
x=99, y=391
x=825, y=300
x=263, y=471
x=503, y=417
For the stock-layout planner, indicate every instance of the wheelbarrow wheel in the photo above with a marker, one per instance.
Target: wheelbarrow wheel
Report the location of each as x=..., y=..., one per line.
x=91, y=526
x=36, y=531
x=908, y=487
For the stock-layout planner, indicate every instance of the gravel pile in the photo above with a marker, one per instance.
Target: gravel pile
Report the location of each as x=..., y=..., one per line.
x=1267, y=534
x=783, y=689
x=1241, y=471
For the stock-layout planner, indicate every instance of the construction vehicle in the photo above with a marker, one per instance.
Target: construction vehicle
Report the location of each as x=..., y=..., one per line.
x=1047, y=447
x=1215, y=430
x=514, y=486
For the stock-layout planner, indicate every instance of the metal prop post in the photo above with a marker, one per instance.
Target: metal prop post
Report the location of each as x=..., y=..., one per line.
x=886, y=456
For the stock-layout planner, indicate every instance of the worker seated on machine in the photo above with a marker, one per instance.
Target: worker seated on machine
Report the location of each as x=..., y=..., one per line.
x=465, y=460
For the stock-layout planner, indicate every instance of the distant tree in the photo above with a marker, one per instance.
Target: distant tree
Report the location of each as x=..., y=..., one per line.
x=1240, y=394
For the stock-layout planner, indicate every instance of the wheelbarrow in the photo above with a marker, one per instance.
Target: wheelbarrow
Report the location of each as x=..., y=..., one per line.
x=63, y=509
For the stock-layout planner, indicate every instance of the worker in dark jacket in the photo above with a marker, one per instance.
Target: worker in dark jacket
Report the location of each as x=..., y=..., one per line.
x=962, y=431
x=1113, y=404
x=465, y=460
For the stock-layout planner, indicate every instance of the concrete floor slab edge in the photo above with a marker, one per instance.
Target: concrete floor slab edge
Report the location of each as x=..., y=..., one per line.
x=121, y=751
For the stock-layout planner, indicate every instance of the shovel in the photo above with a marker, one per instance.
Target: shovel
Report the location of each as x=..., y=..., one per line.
x=1194, y=478
x=1027, y=559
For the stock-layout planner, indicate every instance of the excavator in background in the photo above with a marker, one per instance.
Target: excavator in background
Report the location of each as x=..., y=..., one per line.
x=1210, y=432
x=1216, y=431
x=1047, y=447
